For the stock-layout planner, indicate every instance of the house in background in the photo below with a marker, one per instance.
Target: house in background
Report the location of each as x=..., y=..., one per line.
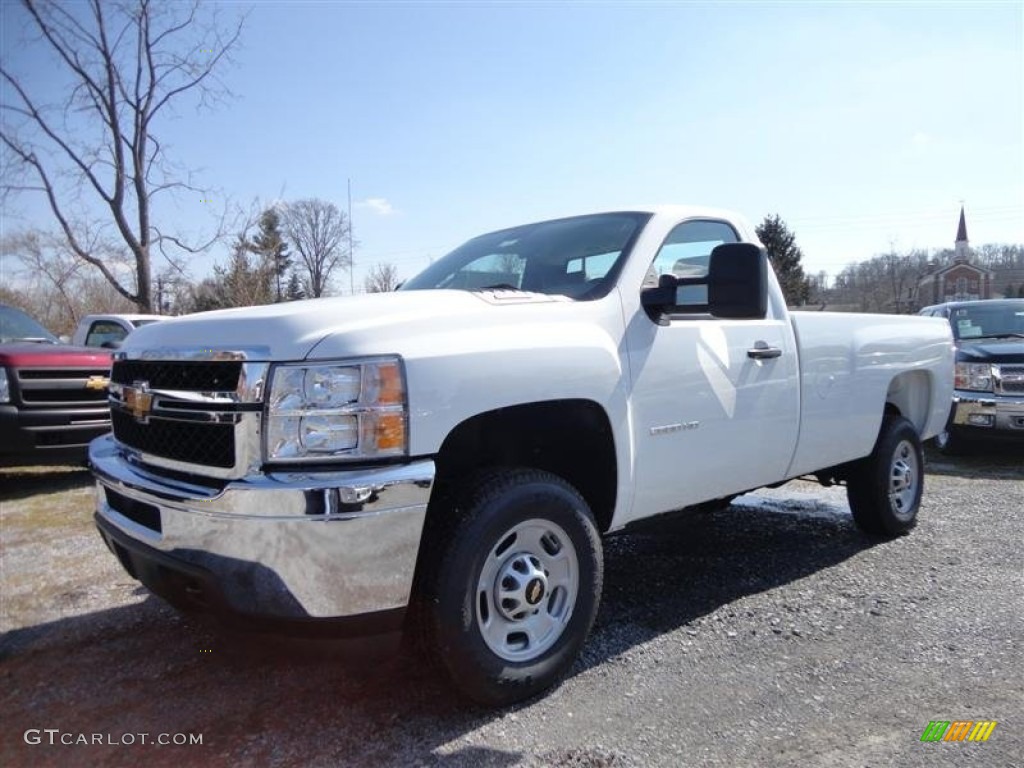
x=961, y=280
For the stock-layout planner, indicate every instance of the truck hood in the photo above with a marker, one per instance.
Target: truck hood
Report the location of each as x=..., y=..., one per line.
x=1009, y=350
x=27, y=354
x=291, y=330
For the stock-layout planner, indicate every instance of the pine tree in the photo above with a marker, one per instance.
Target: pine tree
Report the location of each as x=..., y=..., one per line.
x=1008, y=291
x=244, y=281
x=294, y=291
x=785, y=257
x=270, y=246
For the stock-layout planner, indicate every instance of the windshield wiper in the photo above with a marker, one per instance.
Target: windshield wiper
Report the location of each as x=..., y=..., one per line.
x=1007, y=335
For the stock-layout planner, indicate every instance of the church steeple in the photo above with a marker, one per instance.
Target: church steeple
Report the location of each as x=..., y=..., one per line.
x=961, y=247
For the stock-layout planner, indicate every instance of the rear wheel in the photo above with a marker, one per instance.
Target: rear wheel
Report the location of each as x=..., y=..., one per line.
x=884, y=489
x=512, y=589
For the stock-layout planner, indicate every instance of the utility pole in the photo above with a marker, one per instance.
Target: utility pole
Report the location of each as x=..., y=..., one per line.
x=351, y=255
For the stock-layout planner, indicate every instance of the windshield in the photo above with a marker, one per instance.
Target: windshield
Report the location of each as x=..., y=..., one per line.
x=15, y=325
x=988, y=319
x=578, y=257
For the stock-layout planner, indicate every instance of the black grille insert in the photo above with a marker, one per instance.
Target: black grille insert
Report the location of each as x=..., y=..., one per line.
x=193, y=376
x=200, y=443
x=139, y=512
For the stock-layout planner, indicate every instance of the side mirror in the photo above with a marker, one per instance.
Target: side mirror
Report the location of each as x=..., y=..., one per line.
x=738, y=281
x=736, y=287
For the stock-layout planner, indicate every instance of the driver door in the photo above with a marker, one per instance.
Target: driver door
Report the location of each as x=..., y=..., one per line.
x=709, y=417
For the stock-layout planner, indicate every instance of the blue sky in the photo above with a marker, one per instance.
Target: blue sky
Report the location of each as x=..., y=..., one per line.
x=863, y=125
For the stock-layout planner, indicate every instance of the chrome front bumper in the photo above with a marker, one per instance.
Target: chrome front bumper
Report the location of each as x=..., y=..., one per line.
x=989, y=413
x=289, y=545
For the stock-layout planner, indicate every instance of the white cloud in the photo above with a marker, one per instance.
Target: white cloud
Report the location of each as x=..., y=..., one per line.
x=379, y=205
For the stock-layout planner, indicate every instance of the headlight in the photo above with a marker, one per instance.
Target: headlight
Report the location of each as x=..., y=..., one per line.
x=976, y=376
x=342, y=410
x=5, y=387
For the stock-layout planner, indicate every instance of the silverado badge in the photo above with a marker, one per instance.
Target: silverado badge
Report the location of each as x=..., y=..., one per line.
x=139, y=400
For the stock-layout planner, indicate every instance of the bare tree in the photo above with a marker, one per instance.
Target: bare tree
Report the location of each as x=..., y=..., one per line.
x=319, y=233
x=95, y=147
x=55, y=287
x=381, y=278
x=46, y=265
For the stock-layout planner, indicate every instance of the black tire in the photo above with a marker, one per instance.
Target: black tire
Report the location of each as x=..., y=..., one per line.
x=949, y=444
x=884, y=489
x=491, y=564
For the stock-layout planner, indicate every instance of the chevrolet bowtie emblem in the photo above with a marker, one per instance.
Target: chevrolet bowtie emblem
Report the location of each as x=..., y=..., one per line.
x=97, y=382
x=139, y=400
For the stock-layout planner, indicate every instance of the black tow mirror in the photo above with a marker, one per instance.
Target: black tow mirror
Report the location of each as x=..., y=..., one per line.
x=735, y=287
x=738, y=281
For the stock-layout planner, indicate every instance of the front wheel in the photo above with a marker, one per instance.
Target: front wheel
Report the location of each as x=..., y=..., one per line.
x=514, y=586
x=884, y=489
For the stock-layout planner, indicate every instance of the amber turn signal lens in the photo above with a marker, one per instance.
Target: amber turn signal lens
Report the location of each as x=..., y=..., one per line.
x=390, y=431
x=389, y=384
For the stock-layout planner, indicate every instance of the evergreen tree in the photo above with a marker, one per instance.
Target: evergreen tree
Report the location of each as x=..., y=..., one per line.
x=294, y=291
x=1020, y=291
x=1008, y=291
x=244, y=281
x=270, y=247
x=785, y=257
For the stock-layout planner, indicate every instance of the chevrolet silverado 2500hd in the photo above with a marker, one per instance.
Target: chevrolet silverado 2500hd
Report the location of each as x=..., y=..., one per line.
x=444, y=459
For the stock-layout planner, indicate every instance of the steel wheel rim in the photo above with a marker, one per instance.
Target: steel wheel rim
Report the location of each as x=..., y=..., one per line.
x=526, y=590
x=904, y=480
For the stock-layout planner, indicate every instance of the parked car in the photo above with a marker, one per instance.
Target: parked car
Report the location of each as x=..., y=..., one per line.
x=443, y=459
x=53, y=396
x=988, y=398
x=109, y=330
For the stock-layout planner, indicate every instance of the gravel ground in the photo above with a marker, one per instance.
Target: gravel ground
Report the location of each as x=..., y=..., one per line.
x=772, y=633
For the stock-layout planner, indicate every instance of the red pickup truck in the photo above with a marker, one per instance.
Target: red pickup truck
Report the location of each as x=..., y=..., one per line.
x=53, y=397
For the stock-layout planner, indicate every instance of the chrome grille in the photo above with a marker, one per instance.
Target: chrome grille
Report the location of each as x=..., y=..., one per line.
x=197, y=416
x=1010, y=380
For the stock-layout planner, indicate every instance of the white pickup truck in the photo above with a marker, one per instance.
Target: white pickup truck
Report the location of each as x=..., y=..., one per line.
x=443, y=460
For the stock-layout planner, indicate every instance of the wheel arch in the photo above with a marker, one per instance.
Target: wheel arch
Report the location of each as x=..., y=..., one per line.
x=910, y=395
x=571, y=438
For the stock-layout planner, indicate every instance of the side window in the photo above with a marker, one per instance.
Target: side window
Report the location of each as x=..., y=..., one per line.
x=686, y=252
x=102, y=331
